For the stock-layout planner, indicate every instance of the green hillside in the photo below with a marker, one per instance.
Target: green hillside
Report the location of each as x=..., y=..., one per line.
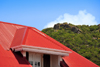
x=83, y=39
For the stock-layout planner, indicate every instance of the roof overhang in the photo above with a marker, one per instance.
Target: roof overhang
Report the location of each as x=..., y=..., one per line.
x=41, y=50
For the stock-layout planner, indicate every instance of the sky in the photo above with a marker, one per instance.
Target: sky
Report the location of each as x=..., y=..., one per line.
x=45, y=13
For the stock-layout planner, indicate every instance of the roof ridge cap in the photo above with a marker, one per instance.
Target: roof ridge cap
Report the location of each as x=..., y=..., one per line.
x=14, y=24
x=25, y=35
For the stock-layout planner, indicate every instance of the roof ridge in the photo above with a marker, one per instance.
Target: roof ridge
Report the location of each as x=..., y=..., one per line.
x=21, y=40
x=25, y=35
x=49, y=38
x=14, y=24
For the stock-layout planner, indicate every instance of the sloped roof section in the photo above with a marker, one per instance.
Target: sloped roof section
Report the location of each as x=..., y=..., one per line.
x=12, y=35
x=11, y=59
x=76, y=60
x=7, y=32
x=19, y=36
x=31, y=39
x=39, y=39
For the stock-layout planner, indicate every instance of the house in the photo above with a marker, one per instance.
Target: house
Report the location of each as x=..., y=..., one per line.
x=24, y=46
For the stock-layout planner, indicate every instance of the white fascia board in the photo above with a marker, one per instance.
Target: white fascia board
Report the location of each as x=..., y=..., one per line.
x=41, y=50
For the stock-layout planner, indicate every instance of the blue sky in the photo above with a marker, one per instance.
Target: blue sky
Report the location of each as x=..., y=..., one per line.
x=46, y=13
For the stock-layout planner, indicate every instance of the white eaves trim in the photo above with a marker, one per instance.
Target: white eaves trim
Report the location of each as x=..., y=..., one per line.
x=40, y=50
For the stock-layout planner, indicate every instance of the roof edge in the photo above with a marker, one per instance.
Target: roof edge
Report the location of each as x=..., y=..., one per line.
x=41, y=50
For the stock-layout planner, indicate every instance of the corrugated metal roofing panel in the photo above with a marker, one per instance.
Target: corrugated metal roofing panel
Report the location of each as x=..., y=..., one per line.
x=10, y=28
x=6, y=35
x=10, y=59
x=7, y=32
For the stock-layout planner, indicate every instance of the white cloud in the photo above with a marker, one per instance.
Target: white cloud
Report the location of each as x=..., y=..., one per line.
x=81, y=18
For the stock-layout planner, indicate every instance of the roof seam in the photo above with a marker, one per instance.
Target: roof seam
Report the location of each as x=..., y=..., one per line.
x=25, y=33
x=22, y=37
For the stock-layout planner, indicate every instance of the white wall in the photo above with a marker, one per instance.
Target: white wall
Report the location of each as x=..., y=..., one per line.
x=55, y=61
x=36, y=58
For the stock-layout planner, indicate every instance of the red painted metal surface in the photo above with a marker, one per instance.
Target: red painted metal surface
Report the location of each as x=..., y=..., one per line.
x=38, y=39
x=33, y=37
x=10, y=59
x=6, y=35
x=7, y=32
x=76, y=60
x=19, y=37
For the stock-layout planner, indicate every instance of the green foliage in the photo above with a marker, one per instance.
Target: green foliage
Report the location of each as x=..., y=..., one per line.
x=87, y=43
x=94, y=27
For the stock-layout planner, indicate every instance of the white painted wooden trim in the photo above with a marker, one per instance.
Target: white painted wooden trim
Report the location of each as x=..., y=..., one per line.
x=41, y=50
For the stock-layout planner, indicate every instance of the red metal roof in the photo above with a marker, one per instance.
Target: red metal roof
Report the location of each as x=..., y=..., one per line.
x=76, y=60
x=10, y=59
x=33, y=37
x=39, y=39
x=24, y=35
x=7, y=32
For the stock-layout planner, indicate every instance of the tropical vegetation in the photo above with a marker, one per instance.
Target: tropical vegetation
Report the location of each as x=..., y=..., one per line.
x=84, y=39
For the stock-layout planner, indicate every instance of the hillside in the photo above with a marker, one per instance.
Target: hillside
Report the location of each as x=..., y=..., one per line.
x=83, y=39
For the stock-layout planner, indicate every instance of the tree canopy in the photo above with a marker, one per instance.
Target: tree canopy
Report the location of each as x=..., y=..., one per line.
x=83, y=39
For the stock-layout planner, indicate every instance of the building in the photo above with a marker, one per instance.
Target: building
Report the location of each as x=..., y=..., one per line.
x=24, y=46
